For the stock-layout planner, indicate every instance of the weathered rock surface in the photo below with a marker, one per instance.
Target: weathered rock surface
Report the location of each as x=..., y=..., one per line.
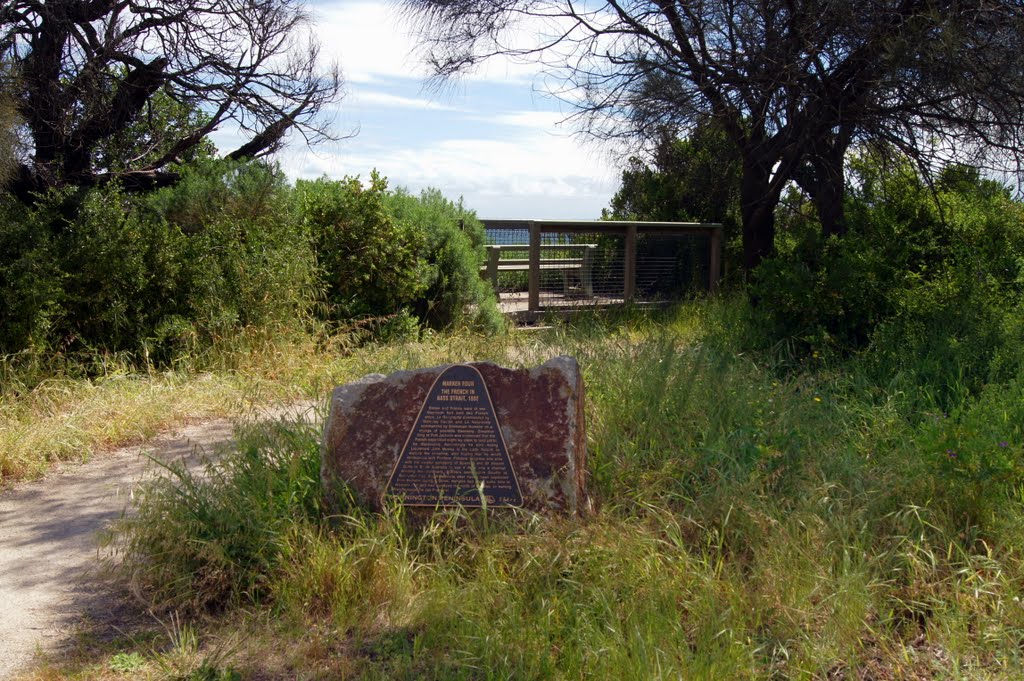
x=539, y=412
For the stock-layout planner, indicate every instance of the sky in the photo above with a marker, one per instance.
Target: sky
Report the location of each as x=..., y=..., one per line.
x=492, y=137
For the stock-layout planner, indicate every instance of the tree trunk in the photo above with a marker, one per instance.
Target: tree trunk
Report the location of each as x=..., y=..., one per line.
x=27, y=186
x=829, y=203
x=830, y=189
x=757, y=206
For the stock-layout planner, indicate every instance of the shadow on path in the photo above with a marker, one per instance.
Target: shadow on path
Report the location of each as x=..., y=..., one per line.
x=48, y=537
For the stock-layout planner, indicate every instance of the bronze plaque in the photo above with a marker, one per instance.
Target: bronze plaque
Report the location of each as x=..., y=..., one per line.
x=455, y=451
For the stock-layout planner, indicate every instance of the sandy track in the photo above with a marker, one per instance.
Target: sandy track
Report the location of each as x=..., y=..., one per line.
x=48, y=537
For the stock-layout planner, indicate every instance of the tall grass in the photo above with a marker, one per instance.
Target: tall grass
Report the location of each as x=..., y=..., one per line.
x=67, y=408
x=756, y=518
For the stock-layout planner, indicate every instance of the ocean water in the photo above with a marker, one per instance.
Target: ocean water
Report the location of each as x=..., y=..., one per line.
x=503, y=236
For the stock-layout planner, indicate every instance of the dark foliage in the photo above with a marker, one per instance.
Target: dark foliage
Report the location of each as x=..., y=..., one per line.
x=100, y=270
x=936, y=271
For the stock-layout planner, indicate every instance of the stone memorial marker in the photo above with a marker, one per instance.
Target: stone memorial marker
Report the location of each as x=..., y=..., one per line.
x=461, y=435
x=455, y=453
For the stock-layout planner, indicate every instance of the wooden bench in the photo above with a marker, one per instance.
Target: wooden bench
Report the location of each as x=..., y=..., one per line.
x=553, y=258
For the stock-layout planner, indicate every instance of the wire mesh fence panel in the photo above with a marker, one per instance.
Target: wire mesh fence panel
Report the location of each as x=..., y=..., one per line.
x=507, y=258
x=596, y=263
x=671, y=266
x=578, y=269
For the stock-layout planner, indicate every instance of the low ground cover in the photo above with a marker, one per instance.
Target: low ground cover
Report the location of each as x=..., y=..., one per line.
x=757, y=515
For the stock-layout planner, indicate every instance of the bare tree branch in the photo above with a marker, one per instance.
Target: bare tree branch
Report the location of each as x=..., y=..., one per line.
x=87, y=71
x=794, y=83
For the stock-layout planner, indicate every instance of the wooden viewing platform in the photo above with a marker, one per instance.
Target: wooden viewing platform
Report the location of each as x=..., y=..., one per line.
x=546, y=252
x=580, y=262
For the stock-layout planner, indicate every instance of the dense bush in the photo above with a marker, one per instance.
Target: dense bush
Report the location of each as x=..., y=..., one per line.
x=937, y=268
x=98, y=270
x=826, y=294
x=84, y=272
x=246, y=261
x=973, y=450
x=367, y=260
x=451, y=255
x=232, y=246
x=30, y=278
x=391, y=254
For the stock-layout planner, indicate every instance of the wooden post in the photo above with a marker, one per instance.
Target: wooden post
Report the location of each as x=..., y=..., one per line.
x=629, y=265
x=714, y=259
x=587, y=271
x=493, y=255
x=533, y=302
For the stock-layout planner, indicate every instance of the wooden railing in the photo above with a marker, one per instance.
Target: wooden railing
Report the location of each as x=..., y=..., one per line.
x=536, y=261
x=565, y=258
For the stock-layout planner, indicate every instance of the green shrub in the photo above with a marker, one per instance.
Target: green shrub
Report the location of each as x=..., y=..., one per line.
x=245, y=261
x=367, y=260
x=943, y=336
x=120, y=269
x=101, y=271
x=934, y=269
x=830, y=294
x=30, y=279
x=90, y=272
x=231, y=246
x=954, y=316
x=451, y=252
x=974, y=453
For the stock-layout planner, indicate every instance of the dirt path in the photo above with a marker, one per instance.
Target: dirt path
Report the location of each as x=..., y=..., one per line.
x=48, y=537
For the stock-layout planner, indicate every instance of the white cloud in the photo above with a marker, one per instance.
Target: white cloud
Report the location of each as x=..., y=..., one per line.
x=542, y=120
x=363, y=97
x=363, y=38
x=372, y=40
x=517, y=161
x=536, y=174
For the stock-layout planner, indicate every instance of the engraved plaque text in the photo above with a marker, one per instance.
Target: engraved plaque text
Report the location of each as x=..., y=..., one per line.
x=455, y=453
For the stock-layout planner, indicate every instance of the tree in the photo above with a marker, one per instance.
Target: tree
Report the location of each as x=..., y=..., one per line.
x=85, y=73
x=8, y=133
x=693, y=179
x=148, y=138
x=793, y=83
